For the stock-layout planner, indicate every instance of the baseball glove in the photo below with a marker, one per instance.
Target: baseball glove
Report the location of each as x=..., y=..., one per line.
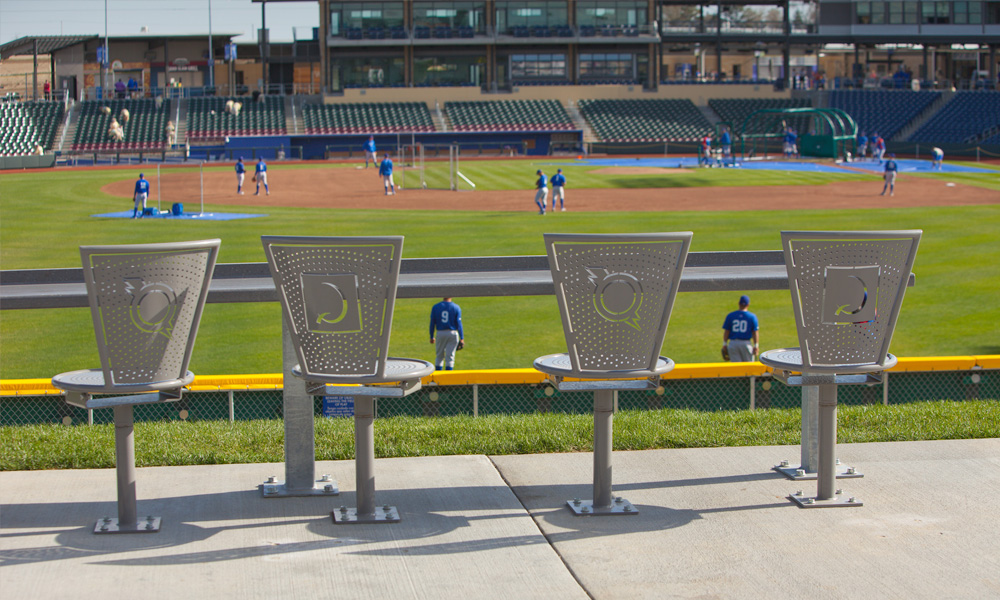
x=255, y=178
x=725, y=352
x=461, y=345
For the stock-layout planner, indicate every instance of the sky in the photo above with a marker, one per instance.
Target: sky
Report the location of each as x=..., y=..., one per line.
x=20, y=18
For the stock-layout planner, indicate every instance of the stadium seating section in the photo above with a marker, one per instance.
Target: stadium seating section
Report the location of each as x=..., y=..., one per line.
x=207, y=117
x=645, y=120
x=735, y=111
x=375, y=117
x=508, y=115
x=23, y=124
x=882, y=112
x=966, y=117
x=145, y=129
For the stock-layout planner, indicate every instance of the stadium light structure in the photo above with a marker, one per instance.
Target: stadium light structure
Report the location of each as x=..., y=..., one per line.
x=211, y=51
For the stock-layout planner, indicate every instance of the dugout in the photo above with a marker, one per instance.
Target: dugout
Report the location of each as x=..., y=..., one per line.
x=822, y=132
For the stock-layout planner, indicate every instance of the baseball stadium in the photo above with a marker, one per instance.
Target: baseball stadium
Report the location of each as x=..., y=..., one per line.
x=735, y=121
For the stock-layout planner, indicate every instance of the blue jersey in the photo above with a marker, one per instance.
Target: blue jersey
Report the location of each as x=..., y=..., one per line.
x=240, y=168
x=261, y=167
x=142, y=186
x=543, y=181
x=790, y=137
x=385, y=168
x=862, y=141
x=558, y=179
x=890, y=166
x=369, y=146
x=446, y=315
x=740, y=324
x=726, y=140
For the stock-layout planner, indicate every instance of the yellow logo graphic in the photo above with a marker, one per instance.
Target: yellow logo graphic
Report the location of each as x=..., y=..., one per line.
x=153, y=308
x=617, y=296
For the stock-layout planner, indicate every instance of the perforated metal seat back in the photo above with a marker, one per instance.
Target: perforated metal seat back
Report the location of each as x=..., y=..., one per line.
x=146, y=301
x=615, y=294
x=337, y=294
x=847, y=289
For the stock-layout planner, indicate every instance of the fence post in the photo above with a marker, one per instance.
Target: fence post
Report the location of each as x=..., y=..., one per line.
x=977, y=153
x=232, y=408
x=885, y=388
x=475, y=400
x=753, y=392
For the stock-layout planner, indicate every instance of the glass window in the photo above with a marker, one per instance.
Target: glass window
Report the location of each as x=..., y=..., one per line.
x=538, y=66
x=598, y=13
x=450, y=14
x=362, y=15
x=968, y=13
x=449, y=70
x=936, y=13
x=367, y=72
x=910, y=10
x=607, y=66
x=878, y=13
x=864, y=13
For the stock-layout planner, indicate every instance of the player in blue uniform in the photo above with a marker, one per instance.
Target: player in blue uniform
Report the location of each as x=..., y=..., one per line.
x=706, y=151
x=740, y=333
x=878, y=147
x=260, y=176
x=385, y=170
x=141, y=193
x=890, y=175
x=937, y=158
x=727, y=143
x=369, y=148
x=542, y=191
x=791, y=138
x=862, y=145
x=240, y=174
x=559, y=189
x=446, y=333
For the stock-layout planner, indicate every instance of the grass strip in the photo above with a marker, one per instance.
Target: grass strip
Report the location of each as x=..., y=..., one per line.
x=218, y=442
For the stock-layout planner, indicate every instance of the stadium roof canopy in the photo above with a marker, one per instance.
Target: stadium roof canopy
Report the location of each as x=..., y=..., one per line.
x=47, y=44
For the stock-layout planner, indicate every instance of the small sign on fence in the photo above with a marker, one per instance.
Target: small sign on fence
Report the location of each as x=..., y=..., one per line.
x=338, y=406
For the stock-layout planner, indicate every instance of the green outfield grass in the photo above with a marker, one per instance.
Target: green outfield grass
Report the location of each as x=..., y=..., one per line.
x=44, y=217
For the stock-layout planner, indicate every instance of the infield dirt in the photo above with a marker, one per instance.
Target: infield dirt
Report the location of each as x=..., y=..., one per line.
x=324, y=187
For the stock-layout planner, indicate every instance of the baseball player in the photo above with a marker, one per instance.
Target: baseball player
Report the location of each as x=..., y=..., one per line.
x=937, y=158
x=370, y=154
x=559, y=190
x=141, y=193
x=260, y=176
x=446, y=333
x=706, y=151
x=862, y=145
x=542, y=193
x=240, y=174
x=727, y=142
x=878, y=147
x=791, y=139
x=385, y=170
x=889, y=175
x=740, y=333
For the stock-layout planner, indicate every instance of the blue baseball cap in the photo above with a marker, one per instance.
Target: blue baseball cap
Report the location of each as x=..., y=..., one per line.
x=744, y=299
x=140, y=175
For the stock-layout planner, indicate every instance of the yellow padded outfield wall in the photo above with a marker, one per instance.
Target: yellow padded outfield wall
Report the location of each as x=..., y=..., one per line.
x=273, y=381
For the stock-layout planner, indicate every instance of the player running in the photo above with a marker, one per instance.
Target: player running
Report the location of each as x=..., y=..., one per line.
x=260, y=176
x=141, y=193
x=559, y=189
x=385, y=170
x=889, y=175
x=241, y=171
x=541, y=195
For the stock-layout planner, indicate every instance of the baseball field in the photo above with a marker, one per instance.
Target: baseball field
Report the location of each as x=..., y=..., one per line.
x=952, y=310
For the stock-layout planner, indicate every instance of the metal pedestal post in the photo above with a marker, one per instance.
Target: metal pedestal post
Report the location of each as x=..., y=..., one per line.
x=809, y=465
x=603, y=503
x=300, y=436
x=827, y=494
x=127, y=521
x=364, y=467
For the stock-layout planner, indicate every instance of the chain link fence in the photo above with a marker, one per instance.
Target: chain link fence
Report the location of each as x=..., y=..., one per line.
x=702, y=394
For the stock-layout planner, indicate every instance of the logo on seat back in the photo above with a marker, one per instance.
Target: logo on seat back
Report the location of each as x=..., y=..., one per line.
x=850, y=294
x=154, y=306
x=617, y=296
x=331, y=303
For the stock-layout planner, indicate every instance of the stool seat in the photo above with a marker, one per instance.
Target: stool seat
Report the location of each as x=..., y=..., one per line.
x=91, y=381
x=790, y=359
x=396, y=369
x=560, y=365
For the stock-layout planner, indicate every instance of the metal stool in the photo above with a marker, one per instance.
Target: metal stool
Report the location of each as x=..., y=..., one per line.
x=337, y=297
x=146, y=302
x=615, y=296
x=847, y=289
